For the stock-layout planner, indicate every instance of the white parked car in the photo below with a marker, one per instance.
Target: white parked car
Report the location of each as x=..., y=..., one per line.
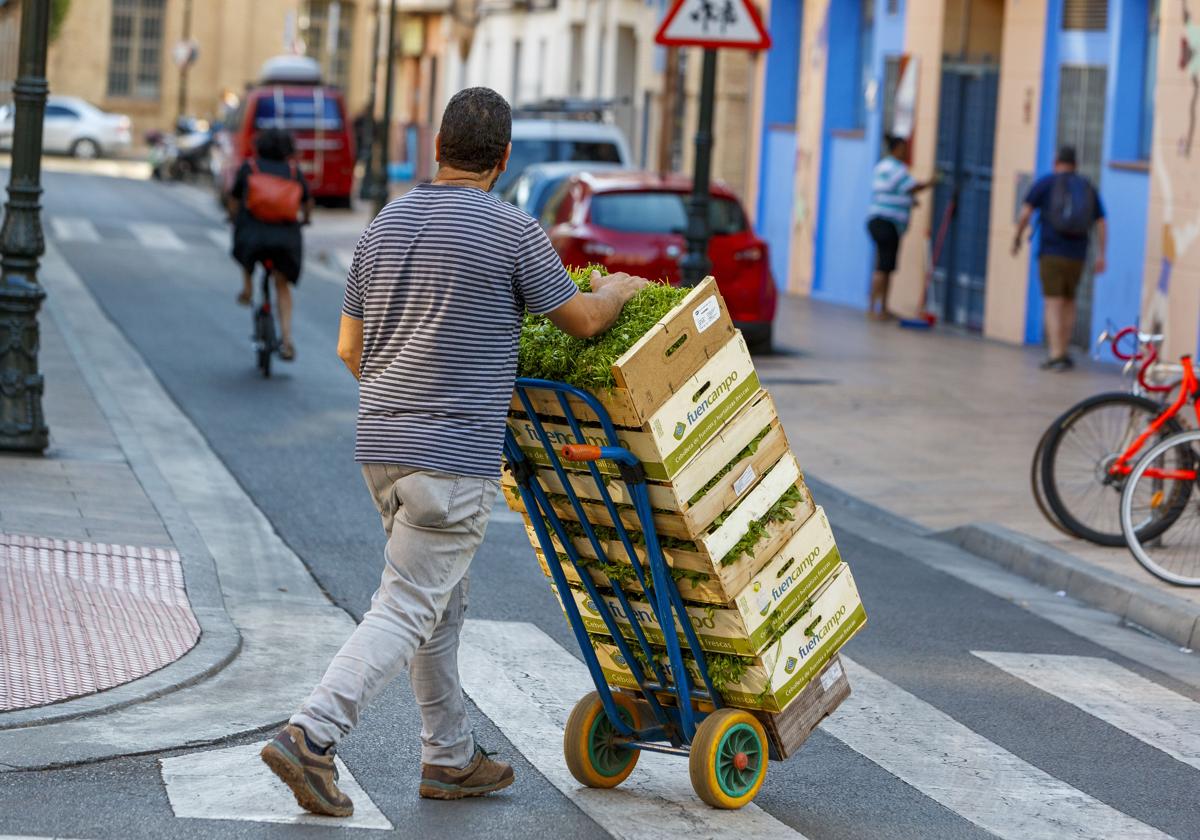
x=549, y=140
x=74, y=127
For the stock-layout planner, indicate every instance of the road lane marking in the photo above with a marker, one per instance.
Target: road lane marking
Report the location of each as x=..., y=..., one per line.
x=73, y=229
x=154, y=235
x=968, y=774
x=234, y=784
x=219, y=237
x=526, y=683
x=1137, y=706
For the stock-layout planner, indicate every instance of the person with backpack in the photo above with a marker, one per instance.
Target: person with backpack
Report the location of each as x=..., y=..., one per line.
x=268, y=204
x=1069, y=208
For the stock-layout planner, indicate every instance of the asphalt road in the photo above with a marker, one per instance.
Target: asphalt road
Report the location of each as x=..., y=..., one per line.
x=967, y=749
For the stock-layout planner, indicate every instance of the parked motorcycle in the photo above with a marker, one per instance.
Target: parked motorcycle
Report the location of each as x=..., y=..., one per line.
x=183, y=155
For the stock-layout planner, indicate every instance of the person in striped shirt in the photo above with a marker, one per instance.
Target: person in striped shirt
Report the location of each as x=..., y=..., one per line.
x=892, y=191
x=435, y=298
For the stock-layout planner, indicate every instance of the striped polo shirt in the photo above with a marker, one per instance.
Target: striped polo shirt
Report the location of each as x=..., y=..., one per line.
x=891, y=192
x=441, y=280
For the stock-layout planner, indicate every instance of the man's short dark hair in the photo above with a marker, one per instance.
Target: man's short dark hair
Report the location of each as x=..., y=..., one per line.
x=1066, y=156
x=476, y=129
x=894, y=142
x=274, y=144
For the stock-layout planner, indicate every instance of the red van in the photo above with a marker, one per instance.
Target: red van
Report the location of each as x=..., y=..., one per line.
x=291, y=96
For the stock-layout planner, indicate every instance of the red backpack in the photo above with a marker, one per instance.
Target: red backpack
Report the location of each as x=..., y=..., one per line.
x=273, y=198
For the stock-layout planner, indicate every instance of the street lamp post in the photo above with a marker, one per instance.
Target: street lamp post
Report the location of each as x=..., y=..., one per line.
x=695, y=264
x=385, y=141
x=367, y=191
x=185, y=65
x=22, y=424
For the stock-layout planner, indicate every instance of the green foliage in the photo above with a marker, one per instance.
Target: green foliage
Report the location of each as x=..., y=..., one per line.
x=725, y=670
x=547, y=352
x=58, y=14
x=781, y=511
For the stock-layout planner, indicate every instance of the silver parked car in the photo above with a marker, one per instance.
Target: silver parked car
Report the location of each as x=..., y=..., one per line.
x=74, y=127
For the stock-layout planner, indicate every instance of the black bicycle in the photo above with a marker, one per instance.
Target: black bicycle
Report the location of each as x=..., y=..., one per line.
x=266, y=339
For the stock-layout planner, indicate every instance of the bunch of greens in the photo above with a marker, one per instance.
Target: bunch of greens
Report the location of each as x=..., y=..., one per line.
x=547, y=352
x=781, y=511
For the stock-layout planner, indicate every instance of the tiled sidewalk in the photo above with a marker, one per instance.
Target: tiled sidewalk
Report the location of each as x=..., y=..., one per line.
x=935, y=426
x=91, y=589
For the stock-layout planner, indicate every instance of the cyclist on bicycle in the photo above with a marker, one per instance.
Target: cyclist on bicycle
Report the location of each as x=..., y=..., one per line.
x=268, y=204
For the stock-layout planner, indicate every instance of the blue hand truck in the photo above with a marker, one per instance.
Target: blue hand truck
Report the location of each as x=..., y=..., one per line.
x=671, y=711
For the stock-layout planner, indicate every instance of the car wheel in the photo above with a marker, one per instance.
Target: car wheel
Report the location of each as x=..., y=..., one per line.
x=85, y=149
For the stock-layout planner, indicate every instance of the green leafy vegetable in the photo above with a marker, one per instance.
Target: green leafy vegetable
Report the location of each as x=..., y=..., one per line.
x=547, y=352
x=746, y=452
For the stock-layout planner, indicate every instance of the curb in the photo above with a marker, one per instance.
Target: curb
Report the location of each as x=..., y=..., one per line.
x=1165, y=615
x=219, y=640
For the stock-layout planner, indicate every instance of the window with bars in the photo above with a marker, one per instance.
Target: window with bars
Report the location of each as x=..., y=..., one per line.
x=136, y=48
x=1149, y=77
x=1087, y=15
x=866, y=55
x=319, y=19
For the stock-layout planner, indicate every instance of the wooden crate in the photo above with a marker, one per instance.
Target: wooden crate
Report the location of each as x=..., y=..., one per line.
x=675, y=497
x=713, y=540
x=787, y=730
x=676, y=431
x=660, y=364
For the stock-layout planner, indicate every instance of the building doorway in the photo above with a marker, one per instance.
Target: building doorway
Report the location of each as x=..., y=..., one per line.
x=1081, y=110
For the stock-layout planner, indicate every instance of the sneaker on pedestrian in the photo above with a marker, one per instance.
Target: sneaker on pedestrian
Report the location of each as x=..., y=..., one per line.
x=311, y=775
x=1062, y=363
x=483, y=775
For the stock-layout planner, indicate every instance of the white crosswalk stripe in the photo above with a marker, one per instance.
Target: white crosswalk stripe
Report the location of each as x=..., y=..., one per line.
x=527, y=683
x=219, y=237
x=973, y=777
x=1144, y=709
x=153, y=235
x=234, y=784
x=72, y=229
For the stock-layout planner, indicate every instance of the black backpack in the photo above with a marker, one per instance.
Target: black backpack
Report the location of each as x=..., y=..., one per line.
x=1072, y=208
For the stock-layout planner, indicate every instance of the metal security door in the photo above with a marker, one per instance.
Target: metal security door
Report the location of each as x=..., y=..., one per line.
x=963, y=197
x=1081, y=103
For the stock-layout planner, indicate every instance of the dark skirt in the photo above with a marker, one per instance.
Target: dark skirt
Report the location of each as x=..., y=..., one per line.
x=255, y=242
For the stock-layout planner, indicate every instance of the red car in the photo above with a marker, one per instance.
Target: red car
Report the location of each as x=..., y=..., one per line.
x=634, y=222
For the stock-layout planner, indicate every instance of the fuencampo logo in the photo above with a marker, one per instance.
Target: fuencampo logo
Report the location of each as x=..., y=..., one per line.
x=826, y=628
x=712, y=399
x=801, y=570
x=645, y=616
x=562, y=438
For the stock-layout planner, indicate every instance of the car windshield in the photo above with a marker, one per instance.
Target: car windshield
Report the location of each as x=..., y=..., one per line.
x=661, y=212
x=298, y=112
x=526, y=153
x=588, y=150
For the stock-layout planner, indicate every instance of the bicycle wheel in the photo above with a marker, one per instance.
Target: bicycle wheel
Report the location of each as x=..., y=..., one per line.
x=1165, y=485
x=264, y=340
x=1035, y=484
x=1082, y=446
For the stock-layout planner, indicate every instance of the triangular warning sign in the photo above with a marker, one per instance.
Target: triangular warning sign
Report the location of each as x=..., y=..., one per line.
x=713, y=23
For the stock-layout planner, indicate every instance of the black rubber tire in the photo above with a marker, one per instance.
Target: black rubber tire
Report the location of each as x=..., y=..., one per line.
x=1054, y=440
x=264, y=330
x=1035, y=485
x=85, y=143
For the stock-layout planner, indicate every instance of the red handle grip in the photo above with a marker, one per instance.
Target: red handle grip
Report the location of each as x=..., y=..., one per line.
x=581, y=452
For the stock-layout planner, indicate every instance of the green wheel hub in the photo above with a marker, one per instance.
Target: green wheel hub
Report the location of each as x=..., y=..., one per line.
x=739, y=760
x=605, y=755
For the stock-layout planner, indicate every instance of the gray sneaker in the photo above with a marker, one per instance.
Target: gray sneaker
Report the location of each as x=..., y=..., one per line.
x=312, y=776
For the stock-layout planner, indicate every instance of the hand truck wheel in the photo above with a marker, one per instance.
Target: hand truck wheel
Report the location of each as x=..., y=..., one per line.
x=593, y=756
x=728, y=758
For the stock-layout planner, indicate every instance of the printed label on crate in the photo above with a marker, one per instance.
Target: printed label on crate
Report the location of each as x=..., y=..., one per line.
x=831, y=675
x=744, y=481
x=707, y=313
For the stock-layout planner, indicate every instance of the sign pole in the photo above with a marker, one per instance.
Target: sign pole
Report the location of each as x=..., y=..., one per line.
x=696, y=265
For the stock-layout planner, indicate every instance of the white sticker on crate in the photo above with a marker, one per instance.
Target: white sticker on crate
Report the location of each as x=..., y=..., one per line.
x=707, y=314
x=831, y=675
x=746, y=479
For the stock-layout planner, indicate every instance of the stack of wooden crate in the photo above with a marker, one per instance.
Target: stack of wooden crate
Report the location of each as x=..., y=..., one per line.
x=753, y=556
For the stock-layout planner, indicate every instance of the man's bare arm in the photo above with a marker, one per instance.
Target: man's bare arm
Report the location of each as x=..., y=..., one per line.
x=350, y=343
x=1022, y=223
x=591, y=313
